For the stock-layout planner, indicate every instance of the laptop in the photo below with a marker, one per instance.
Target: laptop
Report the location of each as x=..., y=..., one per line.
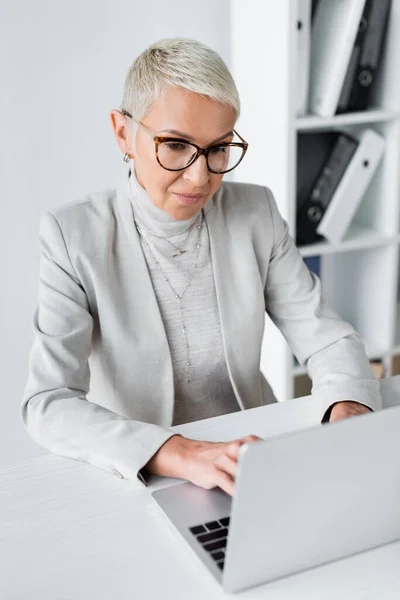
x=302, y=499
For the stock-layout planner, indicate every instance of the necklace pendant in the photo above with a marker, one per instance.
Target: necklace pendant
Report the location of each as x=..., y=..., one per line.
x=179, y=252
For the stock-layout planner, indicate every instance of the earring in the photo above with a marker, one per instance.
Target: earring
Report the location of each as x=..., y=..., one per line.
x=127, y=157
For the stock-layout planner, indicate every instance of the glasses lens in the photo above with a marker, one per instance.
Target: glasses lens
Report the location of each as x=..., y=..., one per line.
x=175, y=155
x=224, y=158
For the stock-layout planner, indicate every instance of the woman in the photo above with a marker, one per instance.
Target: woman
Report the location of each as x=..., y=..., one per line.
x=153, y=295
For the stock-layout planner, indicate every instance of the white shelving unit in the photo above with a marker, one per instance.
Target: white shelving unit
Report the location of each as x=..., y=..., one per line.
x=360, y=275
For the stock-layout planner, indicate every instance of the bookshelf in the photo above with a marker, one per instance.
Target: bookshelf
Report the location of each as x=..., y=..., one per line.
x=360, y=275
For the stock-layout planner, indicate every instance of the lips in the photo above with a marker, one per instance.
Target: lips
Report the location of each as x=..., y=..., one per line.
x=189, y=195
x=190, y=199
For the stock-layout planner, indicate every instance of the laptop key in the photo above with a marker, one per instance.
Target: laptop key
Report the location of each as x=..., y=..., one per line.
x=212, y=525
x=220, y=555
x=218, y=545
x=214, y=535
x=198, y=529
x=225, y=521
x=220, y=565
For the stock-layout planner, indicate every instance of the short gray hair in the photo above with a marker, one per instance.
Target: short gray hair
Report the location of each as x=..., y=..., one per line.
x=177, y=62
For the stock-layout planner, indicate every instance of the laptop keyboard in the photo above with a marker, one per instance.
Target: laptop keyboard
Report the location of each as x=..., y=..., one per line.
x=213, y=536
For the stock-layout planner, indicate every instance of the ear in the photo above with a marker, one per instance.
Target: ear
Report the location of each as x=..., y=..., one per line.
x=122, y=131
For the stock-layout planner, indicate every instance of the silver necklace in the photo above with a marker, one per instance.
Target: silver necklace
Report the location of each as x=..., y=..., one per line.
x=179, y=297
x=179, y=249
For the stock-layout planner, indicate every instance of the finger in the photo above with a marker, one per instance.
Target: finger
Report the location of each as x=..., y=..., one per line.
x=225, y=482
x=227, y=464
x=232, y=449
x=250, y=438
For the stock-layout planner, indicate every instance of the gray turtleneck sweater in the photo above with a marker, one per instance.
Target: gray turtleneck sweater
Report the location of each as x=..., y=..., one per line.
x=202, y=385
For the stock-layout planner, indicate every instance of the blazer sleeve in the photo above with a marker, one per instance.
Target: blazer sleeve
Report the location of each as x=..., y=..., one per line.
x=55, y=409
x=330, y=348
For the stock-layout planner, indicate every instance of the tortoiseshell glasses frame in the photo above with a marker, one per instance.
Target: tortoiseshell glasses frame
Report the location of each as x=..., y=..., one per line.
x=199, y=151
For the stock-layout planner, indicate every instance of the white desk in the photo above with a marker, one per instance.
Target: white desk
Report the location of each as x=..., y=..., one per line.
x=69, y=531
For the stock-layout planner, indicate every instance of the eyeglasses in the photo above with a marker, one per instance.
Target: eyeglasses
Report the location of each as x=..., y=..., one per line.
x=175, y=154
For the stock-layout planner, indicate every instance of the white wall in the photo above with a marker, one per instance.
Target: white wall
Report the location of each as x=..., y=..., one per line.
x=62, y=66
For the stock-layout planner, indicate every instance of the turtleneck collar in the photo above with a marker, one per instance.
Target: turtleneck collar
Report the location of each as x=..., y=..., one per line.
x=150, y=216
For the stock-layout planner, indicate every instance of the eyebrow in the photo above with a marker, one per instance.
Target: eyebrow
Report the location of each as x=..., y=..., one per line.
x=189, y=137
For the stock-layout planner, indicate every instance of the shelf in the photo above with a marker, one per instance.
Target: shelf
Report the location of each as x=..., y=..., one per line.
x=313, y=122
x=357, y=238
x=359, y=274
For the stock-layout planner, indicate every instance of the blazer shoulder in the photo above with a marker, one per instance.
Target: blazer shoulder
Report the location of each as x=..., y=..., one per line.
x=245, y=198
x=85, y=225
x=238, y=191
x=87, y=212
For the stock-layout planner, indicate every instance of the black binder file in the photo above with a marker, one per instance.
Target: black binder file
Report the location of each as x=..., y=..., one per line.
x=365, y=57
x=322, y=159
x=313, y=264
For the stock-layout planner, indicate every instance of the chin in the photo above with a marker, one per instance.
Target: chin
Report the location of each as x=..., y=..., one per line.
x=182, y=213
x=182, y=210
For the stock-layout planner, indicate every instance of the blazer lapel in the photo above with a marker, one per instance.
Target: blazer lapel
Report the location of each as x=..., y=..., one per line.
x=149, y=333
x=240, y=301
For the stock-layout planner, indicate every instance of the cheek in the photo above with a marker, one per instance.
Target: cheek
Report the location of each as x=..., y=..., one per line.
x=161, y=184
x=167, y=180
x=215, y=182
x=158, y=179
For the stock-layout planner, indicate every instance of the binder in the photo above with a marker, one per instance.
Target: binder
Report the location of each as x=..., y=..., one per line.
x=365, y=57
x=304, y=8
x=352, y=186
x=313, y=10
x=322, y=161
x=334, y=32
x=313, y=264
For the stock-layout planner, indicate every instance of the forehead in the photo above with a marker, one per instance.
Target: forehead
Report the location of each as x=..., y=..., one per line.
x=201, y=118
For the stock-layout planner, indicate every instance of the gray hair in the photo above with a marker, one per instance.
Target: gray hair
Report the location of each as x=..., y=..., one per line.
x=177, y=62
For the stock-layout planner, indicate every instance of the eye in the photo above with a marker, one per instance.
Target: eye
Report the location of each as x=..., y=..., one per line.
x=176, y=146
x=218, y=150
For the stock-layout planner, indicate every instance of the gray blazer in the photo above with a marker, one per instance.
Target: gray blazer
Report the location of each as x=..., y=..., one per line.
x=98, y=326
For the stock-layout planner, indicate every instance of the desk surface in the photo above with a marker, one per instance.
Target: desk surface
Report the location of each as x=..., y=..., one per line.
x=69, y=531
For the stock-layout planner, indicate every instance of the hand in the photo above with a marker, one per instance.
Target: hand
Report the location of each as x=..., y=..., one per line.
x=347, y=408
x=206, y=464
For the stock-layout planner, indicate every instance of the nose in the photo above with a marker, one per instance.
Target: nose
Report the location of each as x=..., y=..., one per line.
x=197, y=173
